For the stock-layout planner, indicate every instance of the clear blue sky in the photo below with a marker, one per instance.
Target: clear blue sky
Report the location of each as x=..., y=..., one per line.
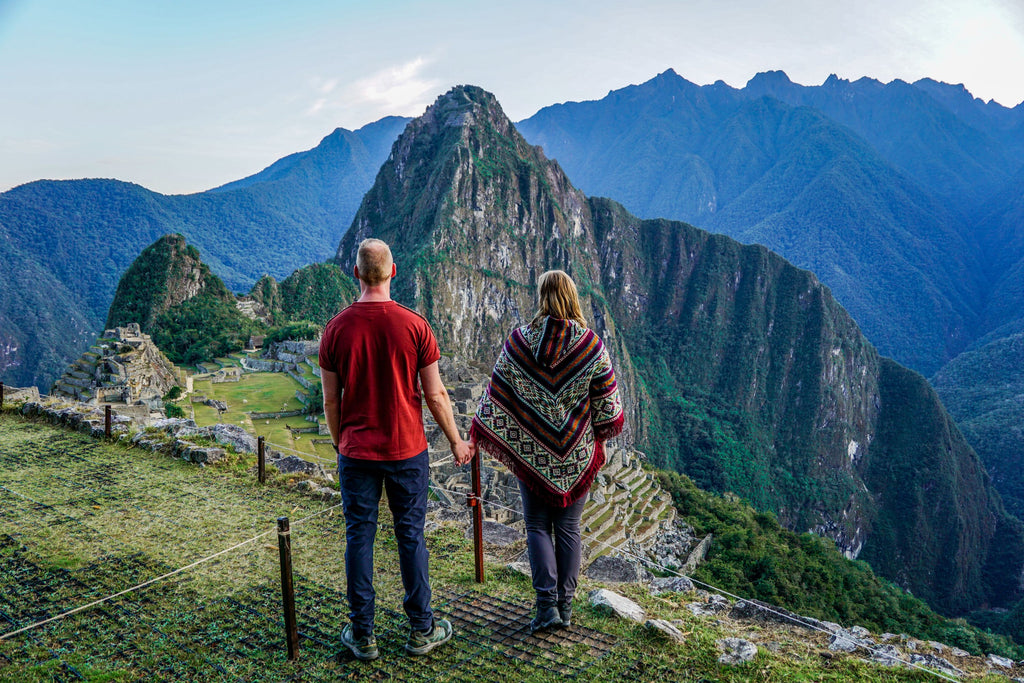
x=181, y=96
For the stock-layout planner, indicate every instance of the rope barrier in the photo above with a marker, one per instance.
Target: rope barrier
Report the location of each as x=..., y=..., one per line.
x=303, y=454
x=150, y=582
x=760, y=605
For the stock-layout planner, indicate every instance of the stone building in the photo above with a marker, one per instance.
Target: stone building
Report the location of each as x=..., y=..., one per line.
x=123, y=366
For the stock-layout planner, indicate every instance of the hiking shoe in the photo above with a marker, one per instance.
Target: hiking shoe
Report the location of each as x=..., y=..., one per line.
x=422, y=642
x=364, y=648
x=546, y=618
x=565, y=612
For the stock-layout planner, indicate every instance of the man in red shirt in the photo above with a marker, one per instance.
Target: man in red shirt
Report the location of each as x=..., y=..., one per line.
x=373, y=357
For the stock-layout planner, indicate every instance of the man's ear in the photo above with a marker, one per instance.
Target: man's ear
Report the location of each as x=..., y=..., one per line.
x=394, y=270
x=355, y=271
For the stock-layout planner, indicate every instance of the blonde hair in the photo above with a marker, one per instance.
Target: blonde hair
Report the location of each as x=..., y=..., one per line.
x=374, y=261
x=557, y=297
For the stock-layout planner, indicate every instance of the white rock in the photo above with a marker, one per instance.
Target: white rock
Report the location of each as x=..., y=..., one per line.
x=622, y=607
x=843, y=641
x=736, y=651
x=860, y=632
x=1001, y=662
x=666, y=629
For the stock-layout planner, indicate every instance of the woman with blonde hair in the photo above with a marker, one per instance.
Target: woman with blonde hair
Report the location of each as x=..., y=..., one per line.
x=551, y=403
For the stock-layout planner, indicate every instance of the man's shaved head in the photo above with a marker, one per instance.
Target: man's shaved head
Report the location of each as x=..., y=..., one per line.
x=374, y=261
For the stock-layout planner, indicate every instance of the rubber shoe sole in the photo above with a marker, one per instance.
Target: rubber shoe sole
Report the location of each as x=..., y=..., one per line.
x=420, y=643
x=365, y=651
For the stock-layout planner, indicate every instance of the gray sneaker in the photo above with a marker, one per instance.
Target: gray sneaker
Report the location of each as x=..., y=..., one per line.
x=421, y=642
x=363, y=648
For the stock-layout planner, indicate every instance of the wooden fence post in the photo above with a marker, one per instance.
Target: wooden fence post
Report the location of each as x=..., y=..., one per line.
x=106, y=421
x=291, y=629
x=261, y=460
x=475, y=501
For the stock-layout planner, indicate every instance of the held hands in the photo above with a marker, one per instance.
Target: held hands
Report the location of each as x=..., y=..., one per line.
x=464, y=451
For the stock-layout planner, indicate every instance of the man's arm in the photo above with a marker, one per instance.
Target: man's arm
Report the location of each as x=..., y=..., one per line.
x=441, y=408
x=331, y=383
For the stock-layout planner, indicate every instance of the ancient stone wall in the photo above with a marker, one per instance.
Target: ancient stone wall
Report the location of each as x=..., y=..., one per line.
x=123, y=366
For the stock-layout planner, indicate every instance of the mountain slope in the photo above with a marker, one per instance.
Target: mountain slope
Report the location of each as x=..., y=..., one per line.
x=762, y=170
x=70, y=241
x=184, y=307
x=739, y=369
x=984, y=391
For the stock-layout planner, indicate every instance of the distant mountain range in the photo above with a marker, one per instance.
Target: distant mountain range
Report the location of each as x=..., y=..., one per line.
x=740, y=369
x=906, y=200
x=893, y=194
x=65, y=244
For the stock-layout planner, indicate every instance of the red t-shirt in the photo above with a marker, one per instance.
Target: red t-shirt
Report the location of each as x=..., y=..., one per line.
x=377, y=348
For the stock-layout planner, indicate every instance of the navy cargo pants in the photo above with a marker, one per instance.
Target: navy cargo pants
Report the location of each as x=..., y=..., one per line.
x=406, y=483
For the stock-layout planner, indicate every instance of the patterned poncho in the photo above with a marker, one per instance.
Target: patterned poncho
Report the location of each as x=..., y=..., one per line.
x=551, y=403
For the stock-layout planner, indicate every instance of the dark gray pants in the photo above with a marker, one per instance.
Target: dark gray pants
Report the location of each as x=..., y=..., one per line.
x=553, y=539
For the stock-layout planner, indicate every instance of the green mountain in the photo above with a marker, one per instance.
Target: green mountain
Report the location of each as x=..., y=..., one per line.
x=184, y=307
x=192, y=316
x=740, y=369
x=67, y=243
x=314, y=293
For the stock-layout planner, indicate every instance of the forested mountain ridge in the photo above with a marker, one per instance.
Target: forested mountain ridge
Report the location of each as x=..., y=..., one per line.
x=879, y=195
x=740, y=369
x=65, y=244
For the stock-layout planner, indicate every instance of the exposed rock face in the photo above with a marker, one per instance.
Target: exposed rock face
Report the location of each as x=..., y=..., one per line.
x=738, y=368
x=124, y=366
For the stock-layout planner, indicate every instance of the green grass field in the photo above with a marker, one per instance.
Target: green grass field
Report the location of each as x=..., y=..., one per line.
x=262, y=392
x=82, y=519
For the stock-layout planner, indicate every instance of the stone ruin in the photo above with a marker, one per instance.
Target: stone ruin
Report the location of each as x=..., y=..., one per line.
x=123, y=366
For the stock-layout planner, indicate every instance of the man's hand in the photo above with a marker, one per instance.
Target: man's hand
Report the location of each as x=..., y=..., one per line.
x=463, y=451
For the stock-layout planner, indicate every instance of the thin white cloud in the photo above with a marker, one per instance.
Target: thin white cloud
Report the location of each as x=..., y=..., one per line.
x=400, y=89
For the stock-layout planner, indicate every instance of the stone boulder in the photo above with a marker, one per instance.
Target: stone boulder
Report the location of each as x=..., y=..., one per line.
x=612, y=569
x=935, y=662
x=1000, y=662
x=888, y=655
x=498, y=534
x=234, y=436
x=675, y=584
x=290, y=464
x=712, y=605
x=845, y=641
x=736, y=651
x=666, y=629
x=620, y=606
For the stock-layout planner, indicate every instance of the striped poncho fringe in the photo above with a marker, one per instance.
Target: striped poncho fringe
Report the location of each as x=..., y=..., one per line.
x=551, y=402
